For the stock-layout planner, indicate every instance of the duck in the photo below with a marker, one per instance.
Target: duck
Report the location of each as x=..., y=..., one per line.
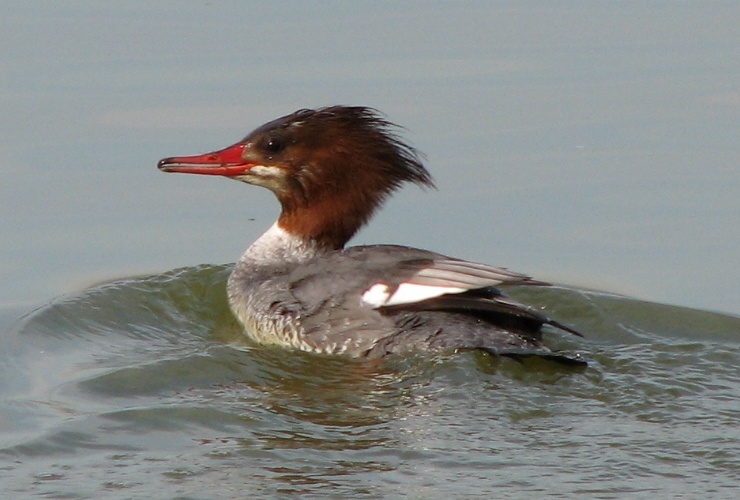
x=299, y=286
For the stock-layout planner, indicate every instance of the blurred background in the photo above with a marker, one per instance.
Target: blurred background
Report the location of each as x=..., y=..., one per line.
x=590, y=143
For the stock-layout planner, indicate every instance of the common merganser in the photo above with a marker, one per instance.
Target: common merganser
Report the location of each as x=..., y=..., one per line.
x=297, y=286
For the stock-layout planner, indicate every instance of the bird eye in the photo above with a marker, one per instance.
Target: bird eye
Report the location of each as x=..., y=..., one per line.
x=274, y=145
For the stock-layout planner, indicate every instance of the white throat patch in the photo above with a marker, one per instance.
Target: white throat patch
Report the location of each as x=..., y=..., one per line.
x=278, y=245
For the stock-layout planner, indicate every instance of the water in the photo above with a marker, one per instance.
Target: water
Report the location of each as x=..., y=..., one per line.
x=591, y=143
x=145, y=387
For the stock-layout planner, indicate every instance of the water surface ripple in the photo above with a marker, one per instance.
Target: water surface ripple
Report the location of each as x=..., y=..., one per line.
x=146, y=387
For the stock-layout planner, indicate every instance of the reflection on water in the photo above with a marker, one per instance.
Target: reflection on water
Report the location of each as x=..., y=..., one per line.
x=146, y=385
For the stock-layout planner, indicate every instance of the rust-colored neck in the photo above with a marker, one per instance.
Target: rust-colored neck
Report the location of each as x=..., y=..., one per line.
x=331, y=220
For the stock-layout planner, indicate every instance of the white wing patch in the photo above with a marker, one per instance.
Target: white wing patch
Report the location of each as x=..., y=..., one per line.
x=379, y=295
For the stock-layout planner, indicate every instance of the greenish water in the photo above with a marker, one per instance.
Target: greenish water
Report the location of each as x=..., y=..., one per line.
x=592, y=143
x=145, y=387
